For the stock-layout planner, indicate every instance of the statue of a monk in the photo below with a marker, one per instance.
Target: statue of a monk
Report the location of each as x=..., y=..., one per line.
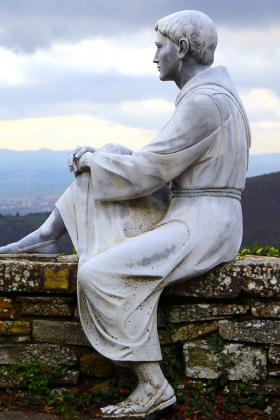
x=146, y=220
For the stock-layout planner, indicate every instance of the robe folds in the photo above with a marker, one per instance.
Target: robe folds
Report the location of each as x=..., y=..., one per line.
x=145, y=220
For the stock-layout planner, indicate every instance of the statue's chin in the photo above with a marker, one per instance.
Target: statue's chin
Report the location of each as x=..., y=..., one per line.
x=165, y=77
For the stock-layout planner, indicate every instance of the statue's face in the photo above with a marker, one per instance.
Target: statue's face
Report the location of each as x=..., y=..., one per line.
x=166, y=58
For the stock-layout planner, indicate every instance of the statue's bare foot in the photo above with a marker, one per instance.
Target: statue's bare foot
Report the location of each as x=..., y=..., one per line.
x=42, y=241
x=144, y=400
x=45, y=247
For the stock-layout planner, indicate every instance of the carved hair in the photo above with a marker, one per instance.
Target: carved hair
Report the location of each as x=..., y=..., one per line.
x=197, y=28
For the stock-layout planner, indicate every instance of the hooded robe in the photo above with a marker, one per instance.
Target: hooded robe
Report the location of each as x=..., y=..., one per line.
x=146, y=220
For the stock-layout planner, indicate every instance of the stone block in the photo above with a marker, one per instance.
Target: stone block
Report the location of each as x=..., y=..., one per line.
x=7, y=309
x=93, y=364
x=201, y=362
x=14, y=339
x=257, y=276
x=274, y=372
x=45, y=306
x=220, y=283
x=191, y=331
x=243, y=363
x=274, y=354
x=14, y=328
x=49, y=354
x=31, y=273
x=254, y=275
x=247, y=363
x=205, y=311
x=254, y=331
x=56, y=279
x=266, y=309
x=61, y=332
x=19, y=275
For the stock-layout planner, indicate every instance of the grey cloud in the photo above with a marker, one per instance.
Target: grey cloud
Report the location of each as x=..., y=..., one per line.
x=75, y=92
x=30, y=24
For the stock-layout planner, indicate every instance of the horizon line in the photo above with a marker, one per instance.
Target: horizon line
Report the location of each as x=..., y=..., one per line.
x=46, y=149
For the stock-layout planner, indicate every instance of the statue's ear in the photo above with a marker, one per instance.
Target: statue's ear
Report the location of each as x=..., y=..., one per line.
x=183, y=47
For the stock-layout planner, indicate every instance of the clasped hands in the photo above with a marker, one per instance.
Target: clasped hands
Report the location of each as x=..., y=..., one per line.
x=79, y=158
x=77, y=161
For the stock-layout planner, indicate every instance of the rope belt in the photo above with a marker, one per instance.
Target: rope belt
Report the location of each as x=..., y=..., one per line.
x=211, y=192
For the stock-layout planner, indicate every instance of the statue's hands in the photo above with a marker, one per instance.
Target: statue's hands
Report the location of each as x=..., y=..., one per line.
x=83, y=163
x=75, y=155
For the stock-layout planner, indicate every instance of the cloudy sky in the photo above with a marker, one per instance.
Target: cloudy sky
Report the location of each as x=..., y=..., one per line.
x=81, y=72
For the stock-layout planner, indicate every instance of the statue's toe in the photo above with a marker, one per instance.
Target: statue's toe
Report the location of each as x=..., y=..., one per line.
x=8, y=249
x=139, y=404
x=109, y=409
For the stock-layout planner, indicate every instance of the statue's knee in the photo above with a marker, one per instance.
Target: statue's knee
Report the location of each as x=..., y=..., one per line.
x=88, y=274
x=84, y=276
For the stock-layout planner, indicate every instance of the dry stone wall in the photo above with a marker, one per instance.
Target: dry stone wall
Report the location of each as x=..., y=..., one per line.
x=227, y=319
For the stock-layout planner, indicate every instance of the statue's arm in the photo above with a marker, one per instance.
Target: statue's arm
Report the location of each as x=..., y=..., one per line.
x=190, y=133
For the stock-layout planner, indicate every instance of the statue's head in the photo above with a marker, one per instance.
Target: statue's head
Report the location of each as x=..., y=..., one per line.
x=189, y=33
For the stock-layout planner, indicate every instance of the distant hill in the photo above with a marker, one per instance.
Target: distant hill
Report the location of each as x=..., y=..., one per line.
x=261, y=210
x=32, y=181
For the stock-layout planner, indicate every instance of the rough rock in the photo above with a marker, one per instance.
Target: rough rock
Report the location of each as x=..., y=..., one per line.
x=45, y=306
x=14, y=328
x=266, y=309
x=14, y=339
x=7, y=309
x=248, y=363
x=242, y=362
x=274, y=372
x=254, y=331
x=191, y=331
x=253, y=275
x=274, y=354
x=50, y=354
x=205, y=311
x=23, y=273
x=61, y=332
x=201, y=362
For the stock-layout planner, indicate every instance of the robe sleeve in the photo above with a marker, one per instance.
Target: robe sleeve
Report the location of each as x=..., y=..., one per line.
x=192, y=130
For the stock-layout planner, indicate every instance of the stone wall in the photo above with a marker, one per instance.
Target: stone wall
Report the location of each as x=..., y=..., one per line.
x=228, y=319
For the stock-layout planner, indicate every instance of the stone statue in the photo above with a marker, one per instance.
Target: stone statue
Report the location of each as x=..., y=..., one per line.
x=146, y=220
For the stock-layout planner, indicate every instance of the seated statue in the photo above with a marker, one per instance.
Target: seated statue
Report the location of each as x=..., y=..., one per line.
x=142, y=221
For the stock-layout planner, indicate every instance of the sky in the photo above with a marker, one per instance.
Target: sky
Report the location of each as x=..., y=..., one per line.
x=81, y=72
